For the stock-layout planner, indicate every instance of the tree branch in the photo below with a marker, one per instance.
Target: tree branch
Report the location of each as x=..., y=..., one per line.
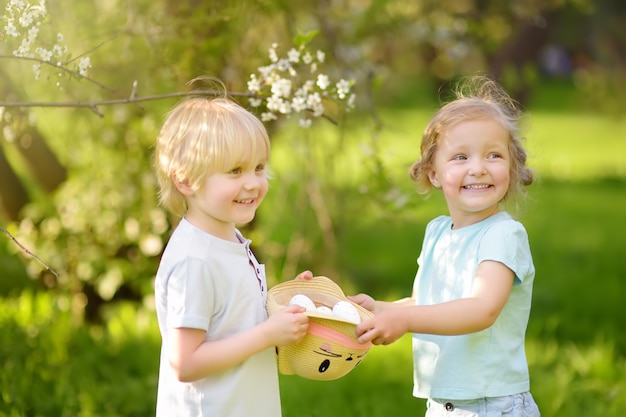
x=29, y=253
x=132, y=99
x=63, y=68
x=128, y=100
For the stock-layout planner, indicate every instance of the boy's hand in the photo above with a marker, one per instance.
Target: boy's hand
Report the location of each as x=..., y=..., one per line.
x=288, y=326
x=304, y=275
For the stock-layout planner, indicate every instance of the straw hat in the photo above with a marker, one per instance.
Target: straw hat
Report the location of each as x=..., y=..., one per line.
x=330, y=348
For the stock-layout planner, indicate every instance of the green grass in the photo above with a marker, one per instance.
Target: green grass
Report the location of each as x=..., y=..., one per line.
x=51, y=365
x=576, y=343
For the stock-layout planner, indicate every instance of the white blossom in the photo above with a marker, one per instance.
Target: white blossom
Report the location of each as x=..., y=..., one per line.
x=283, y=64
x=343, y=88
x=285, y=86
x=293, y=55
x=281, y=88
x=24, y=18
x=351, y=101
x=272, y=53
x=254, y=85
x=273, y=103
x=322, y=81
x=45, y=54
x=298, y=104
x=57, y=50
x=268, y=116
x=284, y=107
x=10, y=29
x=37, y=70
x=255, y=102
x=83, y=65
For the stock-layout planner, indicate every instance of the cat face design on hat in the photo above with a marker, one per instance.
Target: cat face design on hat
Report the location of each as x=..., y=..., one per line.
x=334, y=353
x=330, y=348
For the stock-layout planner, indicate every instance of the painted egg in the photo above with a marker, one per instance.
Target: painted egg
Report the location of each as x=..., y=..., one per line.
x=303, y=301
x=346, y=311
x=324, y=309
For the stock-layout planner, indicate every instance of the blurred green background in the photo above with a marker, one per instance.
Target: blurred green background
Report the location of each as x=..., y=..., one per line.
x=77, y=191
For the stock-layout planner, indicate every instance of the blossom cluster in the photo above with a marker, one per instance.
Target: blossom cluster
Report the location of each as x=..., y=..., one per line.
x=293, y=85
x=23, y=21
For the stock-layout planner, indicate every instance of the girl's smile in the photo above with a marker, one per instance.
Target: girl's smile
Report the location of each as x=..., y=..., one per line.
x=472, y=166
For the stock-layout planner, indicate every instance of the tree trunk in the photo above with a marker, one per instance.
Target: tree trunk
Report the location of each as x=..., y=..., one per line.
x=13, y=195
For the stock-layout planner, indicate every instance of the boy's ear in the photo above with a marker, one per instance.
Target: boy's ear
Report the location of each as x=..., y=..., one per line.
x=432, y=177
x=182, y=186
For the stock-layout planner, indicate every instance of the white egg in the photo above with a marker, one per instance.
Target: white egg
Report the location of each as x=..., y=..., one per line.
x=303, y=301
x=346, y=311
x=324, y=309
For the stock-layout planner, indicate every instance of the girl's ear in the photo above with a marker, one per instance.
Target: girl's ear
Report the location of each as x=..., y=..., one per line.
x=182, y=186
x=432, y=177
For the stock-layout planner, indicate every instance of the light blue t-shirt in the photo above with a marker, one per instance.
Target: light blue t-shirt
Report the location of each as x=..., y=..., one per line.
x=491, y=362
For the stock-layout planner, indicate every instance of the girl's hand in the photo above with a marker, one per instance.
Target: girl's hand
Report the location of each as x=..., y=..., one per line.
x=364, y=301
x=304, y=275
x=387, y=327
x=287, y=326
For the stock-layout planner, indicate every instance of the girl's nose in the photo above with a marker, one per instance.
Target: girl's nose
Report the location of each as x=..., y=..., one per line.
x=477, y=168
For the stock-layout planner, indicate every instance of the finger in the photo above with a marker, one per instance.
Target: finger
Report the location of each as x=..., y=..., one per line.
x=355, y=298
x=364, y=326
x=295, y=308
x=379, y=341
x=368, y=336
x=304, y=275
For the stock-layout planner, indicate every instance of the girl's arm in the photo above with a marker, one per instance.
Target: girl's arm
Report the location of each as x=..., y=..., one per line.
x=376, y=307
x=479, y=311
x=193, y=358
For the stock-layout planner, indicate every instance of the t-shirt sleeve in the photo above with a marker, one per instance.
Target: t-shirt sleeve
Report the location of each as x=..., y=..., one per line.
x=189, y=295
x=507, y=242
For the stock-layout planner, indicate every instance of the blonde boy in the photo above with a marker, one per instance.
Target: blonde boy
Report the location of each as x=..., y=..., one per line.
x=218, y=351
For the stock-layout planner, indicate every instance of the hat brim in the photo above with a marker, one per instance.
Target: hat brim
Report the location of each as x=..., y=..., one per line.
x=322, y=290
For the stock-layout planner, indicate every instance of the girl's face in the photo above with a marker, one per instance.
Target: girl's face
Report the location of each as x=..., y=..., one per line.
x=226, y=199
x=472, y=167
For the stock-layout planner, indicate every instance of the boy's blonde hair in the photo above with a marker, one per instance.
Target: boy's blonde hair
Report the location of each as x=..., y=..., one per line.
x=202, y=136
x=477, y=98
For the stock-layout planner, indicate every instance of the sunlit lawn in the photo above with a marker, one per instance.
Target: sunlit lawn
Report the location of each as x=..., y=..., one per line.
x=576, y=341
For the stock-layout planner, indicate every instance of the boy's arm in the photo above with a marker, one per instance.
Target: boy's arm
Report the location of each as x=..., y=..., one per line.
x=193, y=358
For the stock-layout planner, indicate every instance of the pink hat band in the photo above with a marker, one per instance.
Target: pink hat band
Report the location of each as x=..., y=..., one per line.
x=332, y=335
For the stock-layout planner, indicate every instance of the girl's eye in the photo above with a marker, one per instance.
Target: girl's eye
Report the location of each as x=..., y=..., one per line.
x=236, y=171
x=493, y=156
x=459, y=158
x=260, y=168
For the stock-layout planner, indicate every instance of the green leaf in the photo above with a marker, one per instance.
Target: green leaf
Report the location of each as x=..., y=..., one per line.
x=302, y=39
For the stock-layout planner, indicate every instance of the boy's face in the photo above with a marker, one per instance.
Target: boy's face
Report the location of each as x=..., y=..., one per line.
x=226, y=199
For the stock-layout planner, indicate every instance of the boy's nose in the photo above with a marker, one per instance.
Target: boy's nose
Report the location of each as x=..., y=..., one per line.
x=252, y=182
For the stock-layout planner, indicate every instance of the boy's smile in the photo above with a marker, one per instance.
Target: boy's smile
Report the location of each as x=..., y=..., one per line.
x=227, y=199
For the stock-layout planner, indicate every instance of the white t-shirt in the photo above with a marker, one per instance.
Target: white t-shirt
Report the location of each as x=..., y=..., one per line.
x=491, y=362
x=218, y=286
